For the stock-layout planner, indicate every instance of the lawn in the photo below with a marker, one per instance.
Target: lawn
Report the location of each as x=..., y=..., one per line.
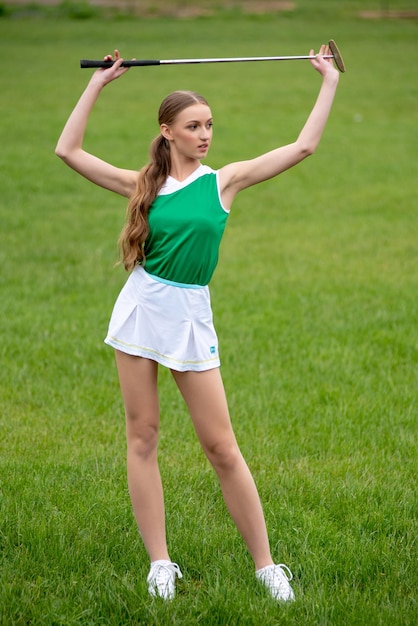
x=315, y=304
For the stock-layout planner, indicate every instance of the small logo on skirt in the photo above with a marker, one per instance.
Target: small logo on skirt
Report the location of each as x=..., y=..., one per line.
x=213, y=349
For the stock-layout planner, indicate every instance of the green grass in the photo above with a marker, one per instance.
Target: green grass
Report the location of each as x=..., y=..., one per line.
x=315, y=307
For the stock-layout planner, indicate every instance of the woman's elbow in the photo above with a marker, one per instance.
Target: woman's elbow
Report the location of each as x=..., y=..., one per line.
x=307, y=150
x=64, y=153
x=60, y=152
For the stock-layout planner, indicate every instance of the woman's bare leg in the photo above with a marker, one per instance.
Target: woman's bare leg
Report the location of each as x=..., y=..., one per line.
x=138, y=381
x=205, y=397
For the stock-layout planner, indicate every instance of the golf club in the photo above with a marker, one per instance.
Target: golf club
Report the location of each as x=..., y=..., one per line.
x=335, y=54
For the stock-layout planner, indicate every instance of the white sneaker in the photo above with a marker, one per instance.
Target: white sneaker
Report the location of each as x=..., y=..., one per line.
x=276, y=578
x=161, y=579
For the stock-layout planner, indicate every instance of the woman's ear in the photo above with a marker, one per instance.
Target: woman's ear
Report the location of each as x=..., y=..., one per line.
x=165, y=131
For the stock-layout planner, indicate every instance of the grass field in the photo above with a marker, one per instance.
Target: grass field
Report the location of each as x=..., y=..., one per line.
x=315, y=303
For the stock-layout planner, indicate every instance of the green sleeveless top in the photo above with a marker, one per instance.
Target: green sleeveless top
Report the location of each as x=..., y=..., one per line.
x=186, y=222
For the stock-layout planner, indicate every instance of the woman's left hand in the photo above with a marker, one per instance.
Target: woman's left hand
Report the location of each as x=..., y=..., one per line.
x=323, y=66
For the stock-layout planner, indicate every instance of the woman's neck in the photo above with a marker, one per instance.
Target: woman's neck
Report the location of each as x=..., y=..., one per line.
x=180, y=170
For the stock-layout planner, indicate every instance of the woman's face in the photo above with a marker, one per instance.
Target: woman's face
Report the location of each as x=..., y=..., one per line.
x=191, y=132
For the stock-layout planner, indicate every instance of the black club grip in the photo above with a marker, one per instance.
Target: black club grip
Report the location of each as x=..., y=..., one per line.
x=134, y=62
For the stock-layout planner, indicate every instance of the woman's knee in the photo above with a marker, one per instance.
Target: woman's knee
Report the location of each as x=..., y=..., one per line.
x=223, y=455
x=142, y=439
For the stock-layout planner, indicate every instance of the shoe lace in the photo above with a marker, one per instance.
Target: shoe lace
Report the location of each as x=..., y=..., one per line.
x=286, y=571
x=161, y=571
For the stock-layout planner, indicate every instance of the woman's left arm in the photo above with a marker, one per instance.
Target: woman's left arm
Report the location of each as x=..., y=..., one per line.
x=237, y=176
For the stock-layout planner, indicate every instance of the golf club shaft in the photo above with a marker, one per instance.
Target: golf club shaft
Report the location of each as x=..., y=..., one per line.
x=90, y=63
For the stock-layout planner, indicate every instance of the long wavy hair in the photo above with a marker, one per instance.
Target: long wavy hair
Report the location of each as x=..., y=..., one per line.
x=150, y=180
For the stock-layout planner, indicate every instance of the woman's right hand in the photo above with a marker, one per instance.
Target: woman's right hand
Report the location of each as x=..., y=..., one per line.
x=106, y=75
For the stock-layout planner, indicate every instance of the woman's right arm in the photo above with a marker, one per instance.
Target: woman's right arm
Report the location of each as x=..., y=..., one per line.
x=70, y=144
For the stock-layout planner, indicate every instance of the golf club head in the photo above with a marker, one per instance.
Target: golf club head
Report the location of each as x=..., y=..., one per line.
x=337, y=56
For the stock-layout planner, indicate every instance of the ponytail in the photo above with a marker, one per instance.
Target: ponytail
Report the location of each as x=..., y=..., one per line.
x=150, y=180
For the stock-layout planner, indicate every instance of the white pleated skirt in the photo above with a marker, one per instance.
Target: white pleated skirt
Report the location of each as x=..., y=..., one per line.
x=166, y=322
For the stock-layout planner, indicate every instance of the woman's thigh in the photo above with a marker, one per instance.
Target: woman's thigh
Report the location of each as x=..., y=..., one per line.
x=205, y=397
x=138, y=379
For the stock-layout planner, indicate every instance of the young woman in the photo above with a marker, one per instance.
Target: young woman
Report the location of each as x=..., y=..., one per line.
x=176, y=216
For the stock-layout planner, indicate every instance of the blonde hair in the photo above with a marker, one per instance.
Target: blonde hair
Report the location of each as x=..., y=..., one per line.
x=150, y=180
